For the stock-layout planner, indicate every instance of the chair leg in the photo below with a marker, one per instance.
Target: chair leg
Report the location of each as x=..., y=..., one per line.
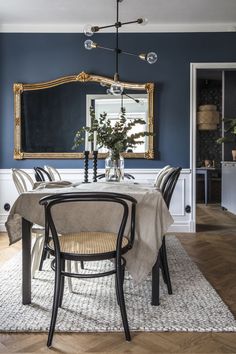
x=116, y=283
x=121, y=299
x=81, y=265
x=68, y=265
x=76, y=267
x=56, y=299
x=36, y=254
x=165, y=266
x=44, y=256
x=162, y=266
x=156, y=282
x=62, y=283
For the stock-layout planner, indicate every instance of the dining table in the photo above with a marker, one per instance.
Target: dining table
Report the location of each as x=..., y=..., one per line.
x=151, y=224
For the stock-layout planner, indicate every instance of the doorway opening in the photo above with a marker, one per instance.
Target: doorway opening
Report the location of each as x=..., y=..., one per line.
x=211, y=101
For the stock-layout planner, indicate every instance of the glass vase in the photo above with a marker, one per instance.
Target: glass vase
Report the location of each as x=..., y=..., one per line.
x=114, y=167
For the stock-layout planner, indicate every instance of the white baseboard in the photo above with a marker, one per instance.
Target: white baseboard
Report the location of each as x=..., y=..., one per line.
x=180, y=227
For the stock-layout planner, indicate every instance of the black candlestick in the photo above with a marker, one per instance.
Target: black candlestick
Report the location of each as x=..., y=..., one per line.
x=86, y=161
x=95, y=159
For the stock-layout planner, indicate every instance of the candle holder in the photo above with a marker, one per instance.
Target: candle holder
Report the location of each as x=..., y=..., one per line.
x=95, y=159
x=86, y=161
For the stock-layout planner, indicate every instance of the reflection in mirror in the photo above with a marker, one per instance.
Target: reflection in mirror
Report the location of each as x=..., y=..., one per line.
x=47, y=115
x=135, y=105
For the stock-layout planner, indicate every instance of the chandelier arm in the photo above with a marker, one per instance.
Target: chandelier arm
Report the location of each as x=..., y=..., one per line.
x=98, y=28
x=106, y=48
x=130, y=22
x=128, y=53
x=132, y=98
x=120, y=51
x=117, y=24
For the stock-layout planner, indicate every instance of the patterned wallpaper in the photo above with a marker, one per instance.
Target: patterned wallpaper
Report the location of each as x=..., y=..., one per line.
x=209, y=92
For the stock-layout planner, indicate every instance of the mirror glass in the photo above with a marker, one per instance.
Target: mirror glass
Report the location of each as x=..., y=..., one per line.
x=48, y=114
x=135, y=105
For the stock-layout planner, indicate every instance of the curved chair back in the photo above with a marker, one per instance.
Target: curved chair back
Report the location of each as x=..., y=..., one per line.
x=161, y=175
x=165, y=177
x=51, y=200
x=169, y=185
x=41, y=174
x=53, y=172
x=22, y=180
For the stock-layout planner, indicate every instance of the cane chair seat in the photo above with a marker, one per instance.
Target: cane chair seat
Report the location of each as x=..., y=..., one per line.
x=86, y=243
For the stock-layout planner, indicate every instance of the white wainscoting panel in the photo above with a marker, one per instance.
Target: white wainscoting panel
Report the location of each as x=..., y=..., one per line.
x=180, y=200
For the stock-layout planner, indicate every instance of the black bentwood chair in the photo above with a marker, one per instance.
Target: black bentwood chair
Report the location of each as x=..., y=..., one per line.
x=41, y=175
x=167, y=190
x=102, y=245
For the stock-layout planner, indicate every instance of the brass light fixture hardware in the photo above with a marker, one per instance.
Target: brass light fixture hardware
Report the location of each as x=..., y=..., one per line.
x=116, y=88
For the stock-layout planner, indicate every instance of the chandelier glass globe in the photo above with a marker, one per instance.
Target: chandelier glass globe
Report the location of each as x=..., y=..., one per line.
x=144, y=21
x=116, y=89
x=151, y=57
x=88, y=31
x=88, y=44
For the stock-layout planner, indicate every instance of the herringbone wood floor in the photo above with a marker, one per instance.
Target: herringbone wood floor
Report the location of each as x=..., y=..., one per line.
x=213, y=248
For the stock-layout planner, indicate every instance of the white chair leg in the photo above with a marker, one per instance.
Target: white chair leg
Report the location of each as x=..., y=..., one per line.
x=76, y=267
x=68, y=266
x=33, y=255
x=36, y=254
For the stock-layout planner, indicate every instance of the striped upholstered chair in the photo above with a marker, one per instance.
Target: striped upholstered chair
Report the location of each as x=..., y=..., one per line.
x=23, y=182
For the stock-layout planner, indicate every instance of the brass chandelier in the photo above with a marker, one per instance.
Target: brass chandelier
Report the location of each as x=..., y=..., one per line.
x=151, y=57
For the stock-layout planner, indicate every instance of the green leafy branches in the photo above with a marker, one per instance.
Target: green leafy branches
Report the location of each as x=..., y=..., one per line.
x=116, y=137
x=230, y=127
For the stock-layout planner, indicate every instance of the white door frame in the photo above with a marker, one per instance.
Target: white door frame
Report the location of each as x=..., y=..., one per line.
x=193, y=110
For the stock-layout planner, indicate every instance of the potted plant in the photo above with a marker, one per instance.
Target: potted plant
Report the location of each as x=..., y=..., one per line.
x=230, y=127
x=117, y=138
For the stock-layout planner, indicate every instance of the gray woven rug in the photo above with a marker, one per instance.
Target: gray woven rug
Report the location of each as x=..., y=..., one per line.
x=92, y=307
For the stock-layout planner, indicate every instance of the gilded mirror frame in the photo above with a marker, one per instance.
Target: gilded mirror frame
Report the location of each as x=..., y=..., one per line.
x=83, y=77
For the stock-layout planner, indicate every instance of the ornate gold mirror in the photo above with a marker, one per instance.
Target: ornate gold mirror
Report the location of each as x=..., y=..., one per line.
x=47, y=115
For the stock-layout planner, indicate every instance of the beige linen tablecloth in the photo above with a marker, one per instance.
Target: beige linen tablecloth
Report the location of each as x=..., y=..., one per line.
x=152, y=219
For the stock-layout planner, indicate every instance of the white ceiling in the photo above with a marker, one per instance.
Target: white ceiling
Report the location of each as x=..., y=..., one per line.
x=72, y=15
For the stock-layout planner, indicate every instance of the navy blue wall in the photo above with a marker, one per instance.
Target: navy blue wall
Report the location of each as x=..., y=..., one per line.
x=31, y=58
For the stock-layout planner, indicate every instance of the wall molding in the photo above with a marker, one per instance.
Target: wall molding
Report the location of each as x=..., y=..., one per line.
x=181, y=197
x=149, y=28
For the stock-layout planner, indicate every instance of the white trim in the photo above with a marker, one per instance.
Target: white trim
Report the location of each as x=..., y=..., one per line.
x=138, y=171
x=180, y=227
x=182, y=220
x=193, y=141
x=151, y=27
x=193, y=110
x=183, y=192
